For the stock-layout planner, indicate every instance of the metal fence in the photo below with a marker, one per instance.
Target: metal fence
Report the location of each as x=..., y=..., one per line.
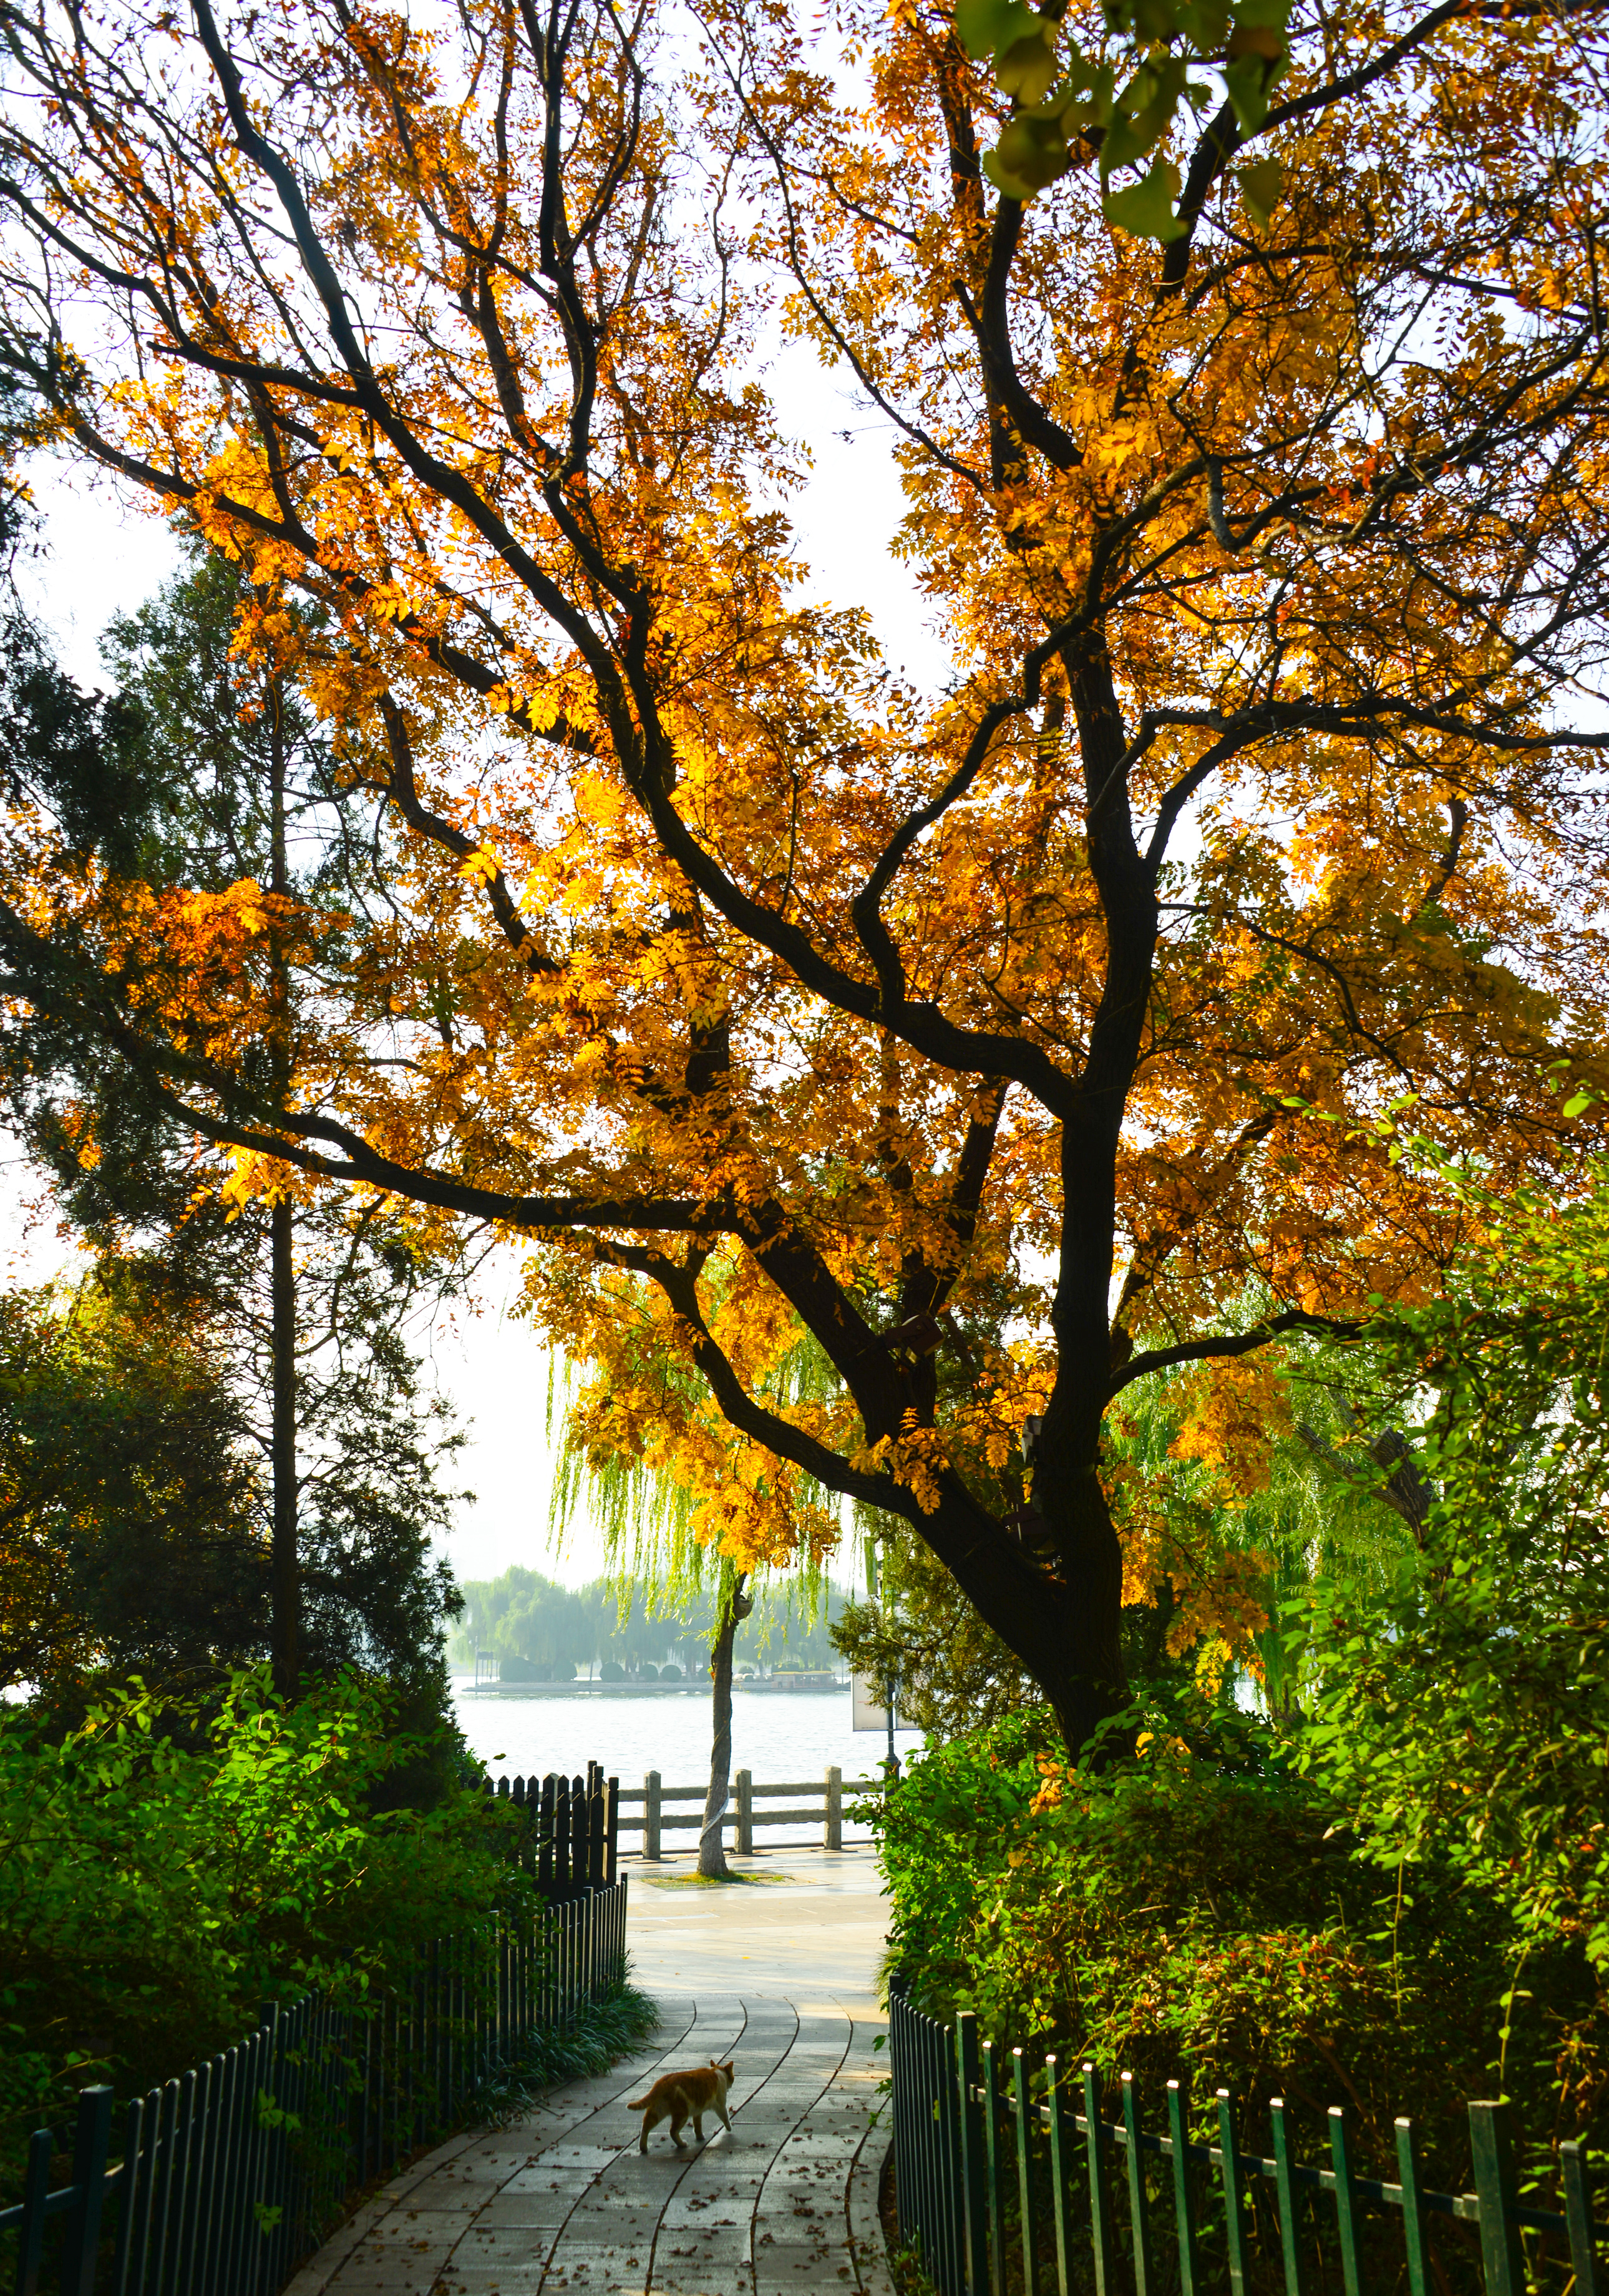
x=223, y=2178
x=1010, y=2179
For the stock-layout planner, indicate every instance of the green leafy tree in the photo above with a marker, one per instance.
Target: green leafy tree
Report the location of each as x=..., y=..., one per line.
x=128, y=1536
x=1460, y=1711
x=203, y=772
x=652, y=1509
x=527, y=1620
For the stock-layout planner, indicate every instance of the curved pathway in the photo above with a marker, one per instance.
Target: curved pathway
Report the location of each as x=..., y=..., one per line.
x=562, y=2203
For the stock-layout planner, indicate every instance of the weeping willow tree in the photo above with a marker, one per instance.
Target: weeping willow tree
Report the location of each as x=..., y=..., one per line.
x=1266, y=1483
x=634, y=1450
x=1234, y=1493
x=1348, y=1501
x=1234, y=1485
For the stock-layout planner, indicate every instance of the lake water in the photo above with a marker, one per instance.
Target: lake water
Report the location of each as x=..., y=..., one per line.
x=780, y=1735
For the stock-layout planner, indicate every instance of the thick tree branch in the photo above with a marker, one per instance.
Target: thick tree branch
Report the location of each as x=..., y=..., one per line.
x=1229, y=1345
x=403, y=791
x=303, y=1138
x=739, y=1407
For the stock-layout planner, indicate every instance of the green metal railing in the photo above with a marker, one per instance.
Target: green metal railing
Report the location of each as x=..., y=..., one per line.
x=999, y=2197
x=225, y=2177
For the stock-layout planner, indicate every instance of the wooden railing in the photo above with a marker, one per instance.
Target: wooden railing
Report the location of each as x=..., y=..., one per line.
x=744, y=1812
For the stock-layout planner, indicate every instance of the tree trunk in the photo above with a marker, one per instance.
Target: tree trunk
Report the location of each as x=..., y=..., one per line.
x=734, y=1607
x=285, y=1566
x=286, y=1571
x=1053, y=1592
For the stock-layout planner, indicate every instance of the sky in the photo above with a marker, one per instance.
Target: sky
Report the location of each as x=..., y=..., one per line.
x=103, y=555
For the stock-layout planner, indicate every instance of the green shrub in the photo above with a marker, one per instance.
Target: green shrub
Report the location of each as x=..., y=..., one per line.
x=604, y=2031
x=1460, y=1706
x=154, y=1893
x=1198, y=1912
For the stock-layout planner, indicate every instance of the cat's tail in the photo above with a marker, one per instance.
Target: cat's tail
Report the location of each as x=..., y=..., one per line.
x=636, y=2103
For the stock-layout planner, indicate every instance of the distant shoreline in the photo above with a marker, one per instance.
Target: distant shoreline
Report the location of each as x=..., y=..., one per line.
x=463, y=1687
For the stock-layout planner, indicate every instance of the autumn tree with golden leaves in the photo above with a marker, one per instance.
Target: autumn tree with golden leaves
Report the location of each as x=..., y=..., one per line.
x=996, y=1045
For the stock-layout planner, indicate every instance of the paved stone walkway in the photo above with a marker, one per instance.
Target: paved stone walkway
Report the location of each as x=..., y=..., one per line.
x=562, y=2201
x=812, y=1934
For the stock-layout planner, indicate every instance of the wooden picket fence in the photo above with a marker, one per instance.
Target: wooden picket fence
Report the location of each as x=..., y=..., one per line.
x=1010, y=2181
x=570, y=1837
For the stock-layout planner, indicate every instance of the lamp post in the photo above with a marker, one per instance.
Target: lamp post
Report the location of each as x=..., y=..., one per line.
x=890, y=1682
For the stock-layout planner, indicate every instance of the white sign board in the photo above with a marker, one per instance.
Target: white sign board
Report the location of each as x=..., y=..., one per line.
x=868, y=1710
x=866, y=1703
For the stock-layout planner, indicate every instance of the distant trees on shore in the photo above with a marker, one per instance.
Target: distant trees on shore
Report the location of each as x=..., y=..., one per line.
x=543, y=1632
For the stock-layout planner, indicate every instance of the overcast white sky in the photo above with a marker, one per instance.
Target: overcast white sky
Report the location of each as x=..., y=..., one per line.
x=103, y=555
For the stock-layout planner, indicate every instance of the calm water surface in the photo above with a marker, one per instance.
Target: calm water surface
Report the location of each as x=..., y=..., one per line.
x=780, y=1735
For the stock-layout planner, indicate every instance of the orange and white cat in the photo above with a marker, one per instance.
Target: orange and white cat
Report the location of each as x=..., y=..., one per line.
x=679, y=2095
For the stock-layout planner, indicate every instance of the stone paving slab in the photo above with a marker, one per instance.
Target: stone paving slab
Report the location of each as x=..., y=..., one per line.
x=561, y=2203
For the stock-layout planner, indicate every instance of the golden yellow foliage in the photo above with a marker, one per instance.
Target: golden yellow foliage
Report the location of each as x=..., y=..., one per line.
x=765, y=988
x=1235, y=1415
